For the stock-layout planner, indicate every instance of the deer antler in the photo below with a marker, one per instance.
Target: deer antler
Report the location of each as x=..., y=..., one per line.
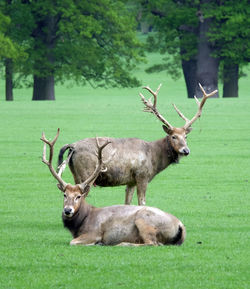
x=149, y=107
x=63, y=165
x=62, y=185
x=99, y=166
x=200, y=105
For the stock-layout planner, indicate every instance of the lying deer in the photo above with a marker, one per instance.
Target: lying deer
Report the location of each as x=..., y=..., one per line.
x=136, y=161
x=115, y=225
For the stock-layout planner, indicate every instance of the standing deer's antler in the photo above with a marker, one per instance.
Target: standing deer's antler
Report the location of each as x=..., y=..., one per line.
x=149, y=107
x=200, y=105
x=62, y=185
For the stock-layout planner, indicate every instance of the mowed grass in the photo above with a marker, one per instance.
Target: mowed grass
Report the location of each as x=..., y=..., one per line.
x=208, y=191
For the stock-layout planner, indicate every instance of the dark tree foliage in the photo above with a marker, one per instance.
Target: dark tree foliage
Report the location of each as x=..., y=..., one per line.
x=176, y=33
x=198, y=36
x=84, y=41
x=230, y=33
x=10, y=50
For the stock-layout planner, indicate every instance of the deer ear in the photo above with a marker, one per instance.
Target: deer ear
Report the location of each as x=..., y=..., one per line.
x=188, y=130
x=167, y=129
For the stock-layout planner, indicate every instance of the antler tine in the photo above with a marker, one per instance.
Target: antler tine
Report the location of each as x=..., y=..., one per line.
x=200, y=105
x=153, y=93
x=98, y=168
x=99, y=155
x=62, y=184
x=149, y=107
x=100, y=148
x=63, y=165
x=180, y=113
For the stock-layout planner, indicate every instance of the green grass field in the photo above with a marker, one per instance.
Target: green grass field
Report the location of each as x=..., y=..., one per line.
x=209, y=191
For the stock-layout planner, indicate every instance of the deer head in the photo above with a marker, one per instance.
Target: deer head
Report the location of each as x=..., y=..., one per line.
x=177, y=136
x=73, y=194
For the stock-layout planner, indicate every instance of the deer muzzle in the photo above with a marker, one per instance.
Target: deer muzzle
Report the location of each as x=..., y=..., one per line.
x=184, y=151
x=68, y=211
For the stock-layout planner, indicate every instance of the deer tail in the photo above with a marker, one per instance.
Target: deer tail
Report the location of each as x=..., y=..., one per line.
x=180, y=235
x=62, y=151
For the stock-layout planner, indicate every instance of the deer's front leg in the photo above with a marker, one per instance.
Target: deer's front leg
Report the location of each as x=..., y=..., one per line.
x=141, y=191
x=129, y=194
x=86, y=239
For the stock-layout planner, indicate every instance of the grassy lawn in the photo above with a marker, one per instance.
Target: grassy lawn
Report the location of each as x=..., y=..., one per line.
x=209, y=191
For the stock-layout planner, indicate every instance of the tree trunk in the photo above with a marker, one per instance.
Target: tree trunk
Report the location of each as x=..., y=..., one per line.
x=43, y=88
x=207, y=66
x=43, y=83
x=145, y=27
x=189, y=70
x=8, y=80
x=230, y=80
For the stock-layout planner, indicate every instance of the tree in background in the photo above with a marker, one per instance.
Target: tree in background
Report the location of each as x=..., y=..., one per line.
x=231, y=34
x=85, y=41
x=88, y=41
x=7, y=51
x=10, y=50
x=17, y=30
x=207, y=69
x=196, y=34
x=176, y=37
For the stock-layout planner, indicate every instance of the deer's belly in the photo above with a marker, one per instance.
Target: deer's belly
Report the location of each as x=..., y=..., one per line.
x=125, y=174
x=116, y=177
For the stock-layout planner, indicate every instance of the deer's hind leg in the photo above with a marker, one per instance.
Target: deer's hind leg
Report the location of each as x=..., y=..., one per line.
x=127, y=244
x=147, y=232
x=141, y=191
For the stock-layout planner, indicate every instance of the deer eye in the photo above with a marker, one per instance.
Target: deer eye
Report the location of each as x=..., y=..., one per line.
x=65, y=196
x=174, y=137
x=77, y=197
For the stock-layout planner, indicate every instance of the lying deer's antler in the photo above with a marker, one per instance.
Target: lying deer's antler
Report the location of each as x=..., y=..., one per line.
x=99, y=166
x=62, y=185
x=58, y=176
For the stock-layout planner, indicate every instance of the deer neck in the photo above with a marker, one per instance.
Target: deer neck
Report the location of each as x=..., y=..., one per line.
x=76, y=224
x=172, y=155
x=163, y=154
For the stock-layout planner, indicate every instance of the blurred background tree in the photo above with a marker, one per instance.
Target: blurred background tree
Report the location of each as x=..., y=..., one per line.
x=92, y=42
x=230, y=32
x=200, y=37
x=10, y=50
x=46, y=42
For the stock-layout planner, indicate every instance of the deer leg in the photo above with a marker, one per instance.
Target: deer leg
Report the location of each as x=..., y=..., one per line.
x=86, y=239
x=141, y=192
x=129, y=194
x=146, y=232
x=127, y=244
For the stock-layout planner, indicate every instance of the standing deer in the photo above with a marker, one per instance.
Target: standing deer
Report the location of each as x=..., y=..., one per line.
x=114, y=225
x=136, y=161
